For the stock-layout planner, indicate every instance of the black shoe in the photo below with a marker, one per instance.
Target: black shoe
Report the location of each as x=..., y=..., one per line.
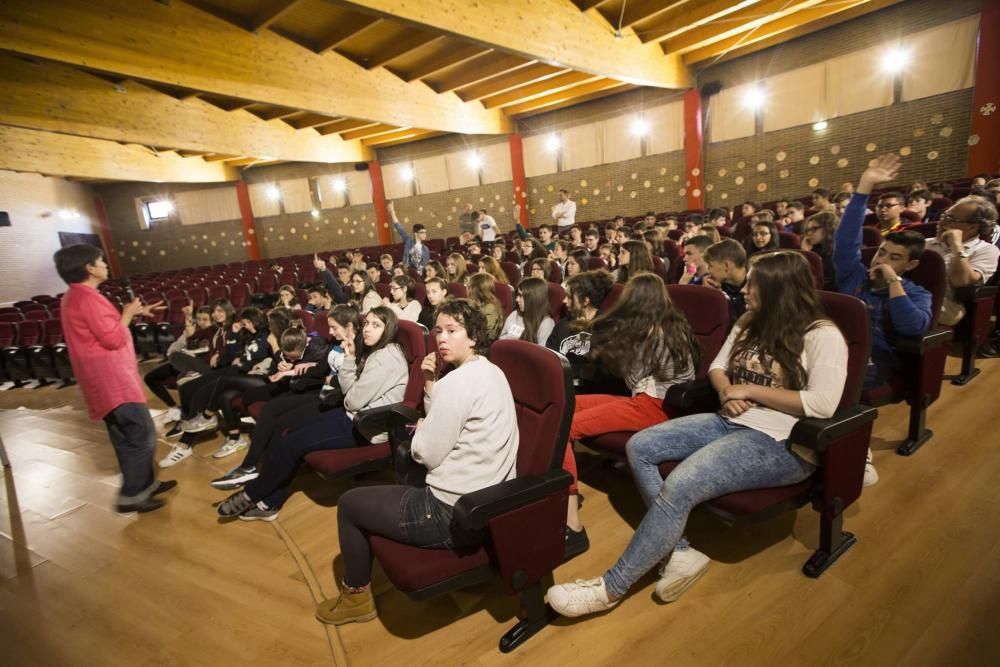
x=576, y=543
x=163, y=486
x=147, y=505
x=174, y=432
x=989, y=351
x=234, y=505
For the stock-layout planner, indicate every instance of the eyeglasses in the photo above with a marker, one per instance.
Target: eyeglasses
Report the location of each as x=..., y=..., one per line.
x=882, y=204
x=952, y=220
x=761, y=234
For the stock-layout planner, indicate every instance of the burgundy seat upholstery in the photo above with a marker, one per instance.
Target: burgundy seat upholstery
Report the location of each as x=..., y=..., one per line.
x=384, y=290
x=16, y=356
x=307, y=319
x=457, y=290
x=708, y=312
x=557, y=296
x=596, y=264
x=973, y=330
x=511, y=271
x=612, y=297
x=505, y=294
x=815, y=262
x=518, y=525
x=367, y=457
x=928, y=229
x=922, y=358
x=788, y=240
x=871, y=237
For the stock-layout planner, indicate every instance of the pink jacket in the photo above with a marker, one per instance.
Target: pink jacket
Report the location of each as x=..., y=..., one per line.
x=101, y=351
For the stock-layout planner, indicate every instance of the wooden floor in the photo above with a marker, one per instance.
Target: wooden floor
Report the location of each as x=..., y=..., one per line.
x=81, y=585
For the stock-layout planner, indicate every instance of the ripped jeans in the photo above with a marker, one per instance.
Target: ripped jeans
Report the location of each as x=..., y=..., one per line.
x=719, y=457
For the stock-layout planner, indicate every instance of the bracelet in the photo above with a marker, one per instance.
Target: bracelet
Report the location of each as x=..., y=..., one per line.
x=963, y=254
x=894, y=279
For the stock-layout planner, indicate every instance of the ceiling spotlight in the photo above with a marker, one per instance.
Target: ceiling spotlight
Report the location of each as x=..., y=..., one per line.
x=640, y=127
x=821, y=125
x=552, y=142
x=475, y=161
x=339, y=185
x=754, y=98
x=273, y=192
x=895, y=60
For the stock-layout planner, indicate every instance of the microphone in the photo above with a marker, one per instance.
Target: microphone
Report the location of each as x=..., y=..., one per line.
x=127, y=286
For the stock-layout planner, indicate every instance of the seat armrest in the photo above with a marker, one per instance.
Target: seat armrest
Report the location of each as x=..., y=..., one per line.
x=474, y=510
x=696, y=395
x=818, y=434
x=385, y=418
x=917, y=345
x=974, y=292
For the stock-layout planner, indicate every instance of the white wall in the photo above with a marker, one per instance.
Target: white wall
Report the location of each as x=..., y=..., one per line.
x=38, y=209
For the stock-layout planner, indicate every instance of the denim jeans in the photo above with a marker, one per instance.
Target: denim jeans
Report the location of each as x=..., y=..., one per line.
x=133, y=435
x=719, y=457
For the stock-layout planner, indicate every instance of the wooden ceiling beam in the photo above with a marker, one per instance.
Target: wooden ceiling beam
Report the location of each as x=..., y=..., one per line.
x=354, y=24
x=737, y=23
x=690, y=15
x=271, y=13
x=549, y=31
x=307, y=120
x=401, y=47
x=476, y=70
x=638, y=10
x=797, y=25
x=65, y=155
x=372, y=131
x=569, y=95
x=401, y=137
x=180, y=46
x=573, y=101
x=243, y=161
x=452, y=55
x=553, y=85
x=344, y=126
x=584, y=5
x=505, y=82
x=58, y=98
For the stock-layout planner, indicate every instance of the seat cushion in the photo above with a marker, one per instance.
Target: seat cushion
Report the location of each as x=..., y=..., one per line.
x=610, y=443
x=743, y=503
x=337, y=460
x=893, y=391
x=412, y=568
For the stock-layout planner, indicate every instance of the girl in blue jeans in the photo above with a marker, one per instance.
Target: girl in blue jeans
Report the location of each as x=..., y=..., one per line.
x=783, y=360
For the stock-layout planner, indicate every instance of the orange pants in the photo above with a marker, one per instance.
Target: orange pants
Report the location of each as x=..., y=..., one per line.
x=597, y=414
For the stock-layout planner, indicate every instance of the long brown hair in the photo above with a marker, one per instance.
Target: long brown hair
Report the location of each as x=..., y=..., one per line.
x=535, y=293
x=482, y=290
x=644, y=329
x=389, y=337
x=461, y=269
x=793, y=310
x=491, y=266
x=640, y=260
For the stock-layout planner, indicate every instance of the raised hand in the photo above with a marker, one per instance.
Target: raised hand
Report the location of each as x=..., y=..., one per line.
x=429, y=367
x=318, y=263
x=882, y=169
x=147, y=311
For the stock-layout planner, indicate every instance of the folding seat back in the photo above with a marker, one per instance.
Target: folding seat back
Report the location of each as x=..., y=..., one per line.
x=612, y=297
x=8, y=334
x=927, y=229
x=671, y=250
x=815, y=262
x=217, y=292
x=268, y=282
x=513, y=530
x=660, y=268
x=871, y=237
x=557, y=298
x=11, y=317
x=708, y=312
x=29, y=332
x=505, y=294
x=37, y=315
x=512, y=257
x=420, y=293
x=321, y=324
x=675, y=235
x=457, y=290
x=596, y=264
x=239, y=295
x=788, y=240
x=308, y=321
x=383, y=290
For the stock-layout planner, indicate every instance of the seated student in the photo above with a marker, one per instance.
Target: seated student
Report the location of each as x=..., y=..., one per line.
x=576, y=263
x=399, y=270
x=669, y=223
x=711, y=231
x=748, y=208
x=363, y=293
x=539, y=268
x=415, y=250
x=779, y=363
x=499, y=251
x=468, y=441
x=482, y=292
x=435, y=269
x=531, y=319
x=492, y=267
x=195, y=341
x=781, y=207
x=649, y=219
x=919, y=202
x=585, y=292
x=456, y=269
x=633, y=258
x=897, y=306
x=377, y=376
x=795, y=215
x=374, y=272
x=645, y=341
x=818, y=238
x=437, y=293
x=763, y=236
x=291, y=408
x=319, y=299
x=968, y=259
x=980, y=179
x=287, y=298
x=387, y=264
x=575, y=237
x=847, y=188
x=840, y=202
x=192, y=367
x=591, y=239
x=560, y=253
x=358, y=262
x=718, y=217
x=618, y=222
x=941, y=194
x=727, y=271
x=654, y=240
x=887, y=210
x=403, y=303
x=545, y=237
x=695, y=267
x=474, y=250
x=609, y=253
x=821, y=200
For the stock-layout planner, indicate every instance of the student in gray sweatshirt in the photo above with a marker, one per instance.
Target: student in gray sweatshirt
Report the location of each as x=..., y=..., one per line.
x=468, y=441
x=375, y=376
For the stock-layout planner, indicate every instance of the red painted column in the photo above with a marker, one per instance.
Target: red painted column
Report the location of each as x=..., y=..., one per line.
x=985, y=155
x=692, y=149
x=517, y=169
x=246, y=212
x=378, y=199
x=109, y=244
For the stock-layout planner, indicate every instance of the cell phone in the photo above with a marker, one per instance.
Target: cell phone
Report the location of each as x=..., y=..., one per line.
x=692, y=269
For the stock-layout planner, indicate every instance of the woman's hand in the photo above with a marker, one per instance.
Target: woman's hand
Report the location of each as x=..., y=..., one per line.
x=429, y=367
x=214, y=360
x=738, y=392
x=284, y=366
x=237, y=326
x=302, y=368
x=348, y=345
x=147, y=311
x=735, y=407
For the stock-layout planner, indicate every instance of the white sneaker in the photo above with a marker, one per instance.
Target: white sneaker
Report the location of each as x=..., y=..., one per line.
x=250, y=421
x=231, y=446
x=177, y=454
x=680, y=573
x=585, y=596
x=871, y=475
x=173, y=414
x=200, y=423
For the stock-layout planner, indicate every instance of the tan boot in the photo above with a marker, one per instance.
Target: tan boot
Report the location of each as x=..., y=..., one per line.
x=348, y=608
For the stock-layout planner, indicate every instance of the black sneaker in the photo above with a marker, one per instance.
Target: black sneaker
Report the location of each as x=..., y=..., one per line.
x=259, y=512
x=576, y=543
x=174, y=432
x=163, y=486
x=147, y=505
x=235, y=478
x=234, y=505
x=989, y=351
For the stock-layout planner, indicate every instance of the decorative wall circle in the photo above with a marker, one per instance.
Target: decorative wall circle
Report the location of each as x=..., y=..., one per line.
x=584, y=201
x=597, y=191
x=620, y=188
x=933, y=155
x=973, y=139
x=661, y=189
x=682, y=192
x=709, y=187
x=870, y=148
x=780, y=156
x=724, y=195
x=917, y=133
x=842, y=162
x=937, y=119
x=946, y=132
x=696, y=192
x=741, y=164
x=814, y=159
x=738, y=180
x=292, y=230
x=722, y=172
x=813, y=182
x=761, y=166
x=632, y=194
x=634, y=176
x=696, y=172
x=762, y=187
x=646, y=184
x=905, y=150
x=583, y=183
x=677, y=178
x=663, y=171
x=835, y=149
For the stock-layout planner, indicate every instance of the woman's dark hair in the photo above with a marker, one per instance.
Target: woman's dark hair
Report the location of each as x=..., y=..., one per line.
x=369, y=286
x=389, y=335
x=438, y=269
x=777, y=333
x=581, y=257
x=291, y=290
x=535, y=293
x=294, y=338
x=644, y=332
x=592, y=285
x=227, y=307
x=203, y=310
x=826, y=221
x=406, y=282
x=543, y=264
x=71, y=262
x=655, y=240
x=278, y=320
x=772, y=244
x=538, y=251
x=639, y=260
x=344, y=314
x=467, y=314
x=256, y=318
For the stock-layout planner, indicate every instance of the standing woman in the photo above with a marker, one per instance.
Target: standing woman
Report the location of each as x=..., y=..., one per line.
x=482, y=292
x=373, y=376
x=779, y=364
x=531, y=319
x=457, y=270
x=819, y=239
x=633, y=258
x=468, y=441
x=363, y=292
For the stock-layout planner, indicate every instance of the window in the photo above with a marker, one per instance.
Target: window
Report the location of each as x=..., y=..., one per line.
x=153, y=210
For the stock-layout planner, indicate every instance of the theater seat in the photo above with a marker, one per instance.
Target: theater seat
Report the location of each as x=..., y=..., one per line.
x=815, y=262
x=973, y=330
x=514, y=530
x=840, y=443
x=922, y=358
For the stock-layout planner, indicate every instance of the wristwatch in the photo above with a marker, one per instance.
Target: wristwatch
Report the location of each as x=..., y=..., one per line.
x=963, y=254
x=894, y=279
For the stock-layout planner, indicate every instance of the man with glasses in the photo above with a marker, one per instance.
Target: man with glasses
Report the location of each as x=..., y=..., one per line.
x=889, y=206
x=968, y=259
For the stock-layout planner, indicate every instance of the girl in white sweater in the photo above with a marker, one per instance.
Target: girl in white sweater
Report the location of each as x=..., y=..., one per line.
x=467, y=442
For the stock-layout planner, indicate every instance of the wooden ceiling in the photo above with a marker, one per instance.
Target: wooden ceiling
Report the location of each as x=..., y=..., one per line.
x=165, y=90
